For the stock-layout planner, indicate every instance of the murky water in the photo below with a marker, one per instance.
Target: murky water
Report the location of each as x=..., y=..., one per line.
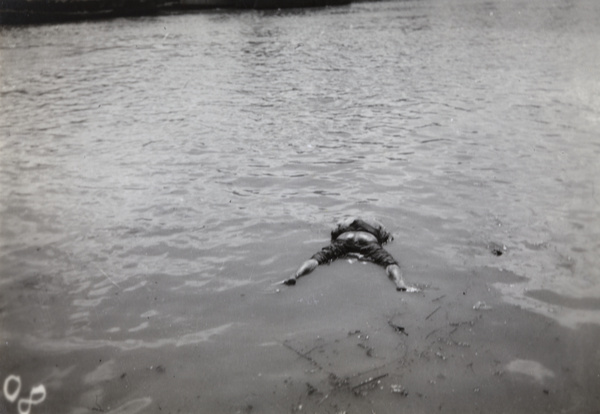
x=156, y=172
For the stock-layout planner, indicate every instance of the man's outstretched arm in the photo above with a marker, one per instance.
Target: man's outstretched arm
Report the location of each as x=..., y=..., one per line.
x=306, y=267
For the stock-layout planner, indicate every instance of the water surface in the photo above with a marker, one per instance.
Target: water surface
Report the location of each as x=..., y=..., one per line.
x=158, y=175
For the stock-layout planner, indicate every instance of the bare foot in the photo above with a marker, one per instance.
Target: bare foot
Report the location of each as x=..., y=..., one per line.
x=289, y=282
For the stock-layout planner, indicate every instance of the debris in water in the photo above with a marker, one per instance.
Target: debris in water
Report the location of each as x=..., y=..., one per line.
x=497, y=249
x=432, y=313
x=398, y=328
x=399, y=389
x=368, y=349
x=371, y=381
x=481, y=306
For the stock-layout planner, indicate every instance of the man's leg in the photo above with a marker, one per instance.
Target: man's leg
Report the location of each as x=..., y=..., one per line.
x=393, y=271
x=382, y=257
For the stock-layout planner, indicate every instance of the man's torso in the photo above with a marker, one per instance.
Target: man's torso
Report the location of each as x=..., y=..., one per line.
x=358, y=237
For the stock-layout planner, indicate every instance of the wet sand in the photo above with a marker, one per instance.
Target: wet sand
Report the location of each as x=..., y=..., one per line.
x=341, y=340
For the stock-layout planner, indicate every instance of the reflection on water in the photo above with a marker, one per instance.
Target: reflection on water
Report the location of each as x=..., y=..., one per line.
x=147, y=165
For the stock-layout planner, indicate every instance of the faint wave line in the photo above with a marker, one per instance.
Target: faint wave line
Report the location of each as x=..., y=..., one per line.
x=133, y=406
x=78, y=343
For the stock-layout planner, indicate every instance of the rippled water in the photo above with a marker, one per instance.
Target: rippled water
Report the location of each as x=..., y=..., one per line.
x=185, y=155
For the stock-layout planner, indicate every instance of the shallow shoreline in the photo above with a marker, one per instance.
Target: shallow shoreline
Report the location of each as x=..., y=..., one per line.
x=341, y=340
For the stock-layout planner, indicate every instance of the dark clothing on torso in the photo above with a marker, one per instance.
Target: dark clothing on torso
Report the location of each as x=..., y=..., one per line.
x=373, y=252
x=341, y=248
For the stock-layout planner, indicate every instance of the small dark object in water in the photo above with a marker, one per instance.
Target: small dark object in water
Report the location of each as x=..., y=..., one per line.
x=497, y=249
x=368, y=349
x=398, y=328
x=310, y=388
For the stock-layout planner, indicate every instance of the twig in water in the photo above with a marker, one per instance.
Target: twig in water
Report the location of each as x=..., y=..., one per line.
x=431, y=314
x=367, y=382
x=322, y=400
x=363, y=373
x=333, y=377
x=397, y=328
x=303, y=355
x=108, y=277
x=431, y=333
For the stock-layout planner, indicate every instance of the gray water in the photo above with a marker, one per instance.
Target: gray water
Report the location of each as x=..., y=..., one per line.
x=183, y=155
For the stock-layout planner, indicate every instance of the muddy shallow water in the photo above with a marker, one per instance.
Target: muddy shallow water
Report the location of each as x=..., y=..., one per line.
x=159, y=175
